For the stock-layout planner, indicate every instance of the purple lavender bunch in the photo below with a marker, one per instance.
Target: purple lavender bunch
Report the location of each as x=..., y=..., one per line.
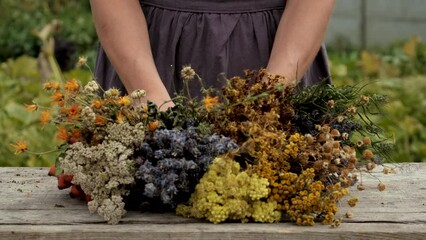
x=171, y=162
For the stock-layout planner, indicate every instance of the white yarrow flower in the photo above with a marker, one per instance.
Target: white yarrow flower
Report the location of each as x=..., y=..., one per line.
x=138, y=93
x=91, y=87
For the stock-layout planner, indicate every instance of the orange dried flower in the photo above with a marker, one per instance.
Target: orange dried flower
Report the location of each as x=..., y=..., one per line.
x=45, y=117
x=62, y=134
x=97, y=104
x=124, y=101
x=210, y=102
x=51, y=86
x=75, y=136
x=120, y=117
x=31, y=108
x=74, y=111
x=20, y=147
x=72, y=85
x=57, y=98
x=152, y=126
x=99, y=120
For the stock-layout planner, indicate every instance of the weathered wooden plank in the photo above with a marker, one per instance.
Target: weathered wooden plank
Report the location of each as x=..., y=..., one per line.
x=61, y=217
x=404, y=199
x=383, y=231
x=31, y=207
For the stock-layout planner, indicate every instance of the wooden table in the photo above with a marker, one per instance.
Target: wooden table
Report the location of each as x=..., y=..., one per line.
x=31, y=207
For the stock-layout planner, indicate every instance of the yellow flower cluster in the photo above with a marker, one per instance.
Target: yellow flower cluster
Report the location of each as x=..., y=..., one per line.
x=227, y=192
x=311, y=201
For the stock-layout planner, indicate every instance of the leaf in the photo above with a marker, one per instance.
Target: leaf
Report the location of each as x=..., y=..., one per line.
x=23, y=67
x=17, y=113
x=410, y=46
x=370, y=63
x=58, y=165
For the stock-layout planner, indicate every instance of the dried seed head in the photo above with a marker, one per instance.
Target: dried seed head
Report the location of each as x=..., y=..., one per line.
x=333, y=168
x=381, y=187
x=309, y=138
x=336, y=151
x=325, y=129
x=336, y=223
x=344, y=181
x=82, y=60
x=364, y=99
x=352, y=202
x=345, y=172
x=360, y=187
x=340, y=119
x=318, y=165
x=323, y=137
x=318, y=127
x=328, y=156
x=327, y=147
x=348, y=149
x=336, y=144
x=330, y=103
x=345, y=136
x=370, y=166
x=366, y=140
x=336, y=161
x=335, y=133
x=349, y=214
x=352, y=159
x=352, y=110
x=187, y=73
x=367, y=154
x=386, y=170
x=325, y=165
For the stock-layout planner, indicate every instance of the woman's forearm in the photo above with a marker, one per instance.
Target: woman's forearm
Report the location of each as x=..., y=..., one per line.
x=299, y=36
x=122, y=30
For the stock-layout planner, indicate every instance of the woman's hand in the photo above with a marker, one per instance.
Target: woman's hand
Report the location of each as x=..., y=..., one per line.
x=299, y=36
x=122, y=30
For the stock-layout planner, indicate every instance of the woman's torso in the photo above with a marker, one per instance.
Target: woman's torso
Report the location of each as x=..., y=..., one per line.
x=218, y=38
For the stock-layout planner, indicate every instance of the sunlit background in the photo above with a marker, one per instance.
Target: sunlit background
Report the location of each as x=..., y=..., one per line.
x=377, y=43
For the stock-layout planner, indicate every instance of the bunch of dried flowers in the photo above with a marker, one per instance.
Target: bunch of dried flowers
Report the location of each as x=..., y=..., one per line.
x=256, y=150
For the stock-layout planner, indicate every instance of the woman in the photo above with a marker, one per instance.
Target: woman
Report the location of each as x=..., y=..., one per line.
x=144, y=44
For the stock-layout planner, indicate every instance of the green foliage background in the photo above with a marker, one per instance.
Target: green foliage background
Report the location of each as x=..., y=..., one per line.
x=19, y=19
x=398, y=71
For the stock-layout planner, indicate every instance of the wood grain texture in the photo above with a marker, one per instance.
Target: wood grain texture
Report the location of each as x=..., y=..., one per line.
x=31, y=207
